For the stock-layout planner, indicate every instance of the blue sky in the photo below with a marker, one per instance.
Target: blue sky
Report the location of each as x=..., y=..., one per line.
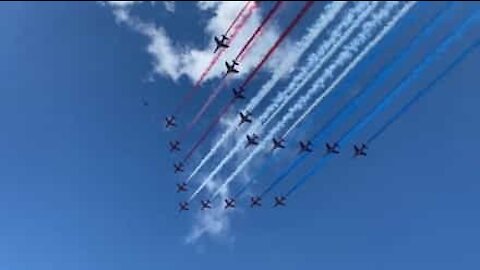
x=86, y=180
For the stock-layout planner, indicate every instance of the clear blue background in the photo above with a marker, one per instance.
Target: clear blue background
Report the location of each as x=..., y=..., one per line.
x=86, y=182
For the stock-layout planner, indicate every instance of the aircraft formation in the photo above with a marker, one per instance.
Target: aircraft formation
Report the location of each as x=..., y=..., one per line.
x=342, y=48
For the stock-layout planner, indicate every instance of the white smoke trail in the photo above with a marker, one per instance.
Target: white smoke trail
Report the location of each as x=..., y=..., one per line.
x=352, y=48
x=336, y=35
x=318, y=59
x=320, y=83
x=330, y=12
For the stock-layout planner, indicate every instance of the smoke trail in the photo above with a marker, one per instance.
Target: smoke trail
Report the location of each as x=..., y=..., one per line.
x=243, y=20
x=341, y=59
x=221, y=85
x=209, y=101
x=259, y=28
x=305, y=113
x=218, y=89
x=237, y=17
x=316, y=61
x=324, y=52
x=404, y=82
x=272, y=49
x=330, y=12
x=335, y=36
x=386, y=70
x=421, y=93
x=217, y=56
x=391, y=95
x=352, y=78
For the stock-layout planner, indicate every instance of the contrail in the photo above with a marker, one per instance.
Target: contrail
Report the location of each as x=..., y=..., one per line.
x=272, y=49
x=330, y=12
x=243, y=17
x=385, y=71
x=391, y=95
x=316, y=61
x=321, y=50
x=341, y=60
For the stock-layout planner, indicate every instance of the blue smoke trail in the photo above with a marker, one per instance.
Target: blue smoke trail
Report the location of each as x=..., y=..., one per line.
x=408, y=78
x=353, y=77
x=386, y=71
x=420, y=94
x=382, y=105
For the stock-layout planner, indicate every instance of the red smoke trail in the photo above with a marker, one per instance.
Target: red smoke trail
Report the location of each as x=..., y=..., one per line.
x=290, y=27
x=242, y=19
x=209, y=101
x=220, y=87
x=236, y=30
x=259, y=28
x=238, y=17
x=225, y=109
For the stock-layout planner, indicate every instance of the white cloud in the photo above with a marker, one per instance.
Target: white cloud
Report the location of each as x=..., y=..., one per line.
x=169, y=6
x=122, y=4
x=173, y=60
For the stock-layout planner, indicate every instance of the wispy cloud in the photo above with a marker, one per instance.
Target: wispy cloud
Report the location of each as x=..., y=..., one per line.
x=173, y=60
x=169, y=6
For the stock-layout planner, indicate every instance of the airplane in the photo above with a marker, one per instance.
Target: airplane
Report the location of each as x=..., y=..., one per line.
x=279, y=201
x=170, y=121
x=183, y=206
x=251, y=140
x=278, y=143
x=178, y=167
x=231, y=68
x=206, y=204
x=145, y=103
x=221, y=42
x=332, y=148
x=245, y=118
x=255, y=201
x=360, y=151
x=229, y=203
x=182, y=187
x=174, y=146
x=305, y=147
x=238, y=94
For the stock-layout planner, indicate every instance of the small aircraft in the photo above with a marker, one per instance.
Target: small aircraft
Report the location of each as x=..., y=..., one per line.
x=278, y=143
x=170, y=121
x=245, y=118
x=221, y=42
x=251, y=140
x=182, y=187
x=231, y=68
x=305, y=147
x=255, y=201
x=174, y=146
x=238, y=94
x=178, y=167
x=206, y=204
x=332, y=148
x=229, y=203
x=145, y=103
x=360, y=151
x=183, y=206
x=279, y=201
